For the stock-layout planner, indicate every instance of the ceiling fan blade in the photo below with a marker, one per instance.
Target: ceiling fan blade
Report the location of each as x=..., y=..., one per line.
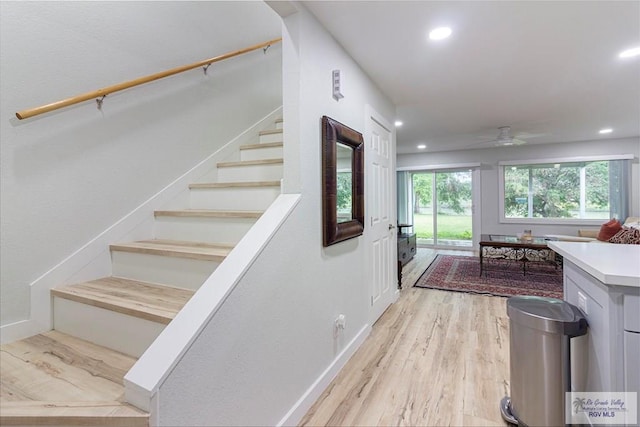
x=509, y=142
x=527, y=135
x=483, y=144
x=504, y=139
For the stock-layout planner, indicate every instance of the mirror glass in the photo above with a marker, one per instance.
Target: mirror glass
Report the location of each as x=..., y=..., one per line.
x=344, y=164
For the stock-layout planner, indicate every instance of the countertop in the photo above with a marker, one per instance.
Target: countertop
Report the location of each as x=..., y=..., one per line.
x=612, y=264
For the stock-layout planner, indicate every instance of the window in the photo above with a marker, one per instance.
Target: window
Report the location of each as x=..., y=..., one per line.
x=441, y=202
x=564, y=190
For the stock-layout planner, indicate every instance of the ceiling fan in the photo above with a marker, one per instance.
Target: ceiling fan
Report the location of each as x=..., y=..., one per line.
x=505, y=139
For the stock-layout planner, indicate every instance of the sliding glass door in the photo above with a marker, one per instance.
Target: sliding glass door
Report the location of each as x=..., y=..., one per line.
x=442, y=207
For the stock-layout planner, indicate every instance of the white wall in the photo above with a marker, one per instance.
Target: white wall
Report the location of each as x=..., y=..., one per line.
x=69, y=175
x=489, y=174
x=268, y=352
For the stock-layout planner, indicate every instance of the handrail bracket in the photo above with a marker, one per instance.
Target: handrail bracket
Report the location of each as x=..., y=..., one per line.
x=100, y=101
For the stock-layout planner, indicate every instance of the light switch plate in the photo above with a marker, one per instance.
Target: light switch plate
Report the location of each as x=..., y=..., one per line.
x=582, y=303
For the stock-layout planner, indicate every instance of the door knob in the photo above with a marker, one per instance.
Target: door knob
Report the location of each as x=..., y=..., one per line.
x=391, y=226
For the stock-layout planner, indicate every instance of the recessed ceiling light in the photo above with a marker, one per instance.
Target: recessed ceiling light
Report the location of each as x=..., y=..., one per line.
x=398, y=123
x=629, y=53
x=607, y=130
x=440, y=33
x=422, y=146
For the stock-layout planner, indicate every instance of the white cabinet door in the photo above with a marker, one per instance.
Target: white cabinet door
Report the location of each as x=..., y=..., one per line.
x=598, y=358
x=631, y=362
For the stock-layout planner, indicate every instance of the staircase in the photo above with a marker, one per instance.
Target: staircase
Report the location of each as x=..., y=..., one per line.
x=73, y=375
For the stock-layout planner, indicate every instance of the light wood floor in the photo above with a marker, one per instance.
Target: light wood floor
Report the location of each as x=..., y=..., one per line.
x=434, y=358
x=57, y=379
x=56, y=366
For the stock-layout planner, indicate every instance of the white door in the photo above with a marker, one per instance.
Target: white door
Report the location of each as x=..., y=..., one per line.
x=381, y=214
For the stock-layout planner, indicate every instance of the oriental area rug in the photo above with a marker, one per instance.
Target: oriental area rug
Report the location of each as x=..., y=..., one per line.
x=462, y=274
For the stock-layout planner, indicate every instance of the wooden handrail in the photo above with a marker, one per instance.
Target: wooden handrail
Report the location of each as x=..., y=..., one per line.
x=25, y=114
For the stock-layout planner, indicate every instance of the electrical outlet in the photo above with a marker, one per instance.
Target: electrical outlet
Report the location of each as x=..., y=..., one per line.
x=341, y=322
x=339, y=325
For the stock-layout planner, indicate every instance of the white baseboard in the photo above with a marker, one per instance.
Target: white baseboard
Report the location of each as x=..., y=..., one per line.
x=19, y=330
x=93, y=260
x=302, y=406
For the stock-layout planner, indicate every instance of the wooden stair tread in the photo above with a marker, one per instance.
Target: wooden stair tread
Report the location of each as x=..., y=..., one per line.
x=239, y=184
x=195, y=250
x=57, y=366
x=270, y=131
x=208, y=213
x=250, y=163
x=192, y=244
x=98, y=413
x=263, y=145
x=149, y=301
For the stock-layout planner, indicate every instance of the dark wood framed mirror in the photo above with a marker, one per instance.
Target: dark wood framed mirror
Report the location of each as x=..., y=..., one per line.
x=342, y=182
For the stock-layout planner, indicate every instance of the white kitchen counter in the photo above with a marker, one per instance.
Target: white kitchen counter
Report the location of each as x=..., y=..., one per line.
x=612, y=264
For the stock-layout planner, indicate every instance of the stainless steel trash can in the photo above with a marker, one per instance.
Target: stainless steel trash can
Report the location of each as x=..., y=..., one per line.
x=540, y=329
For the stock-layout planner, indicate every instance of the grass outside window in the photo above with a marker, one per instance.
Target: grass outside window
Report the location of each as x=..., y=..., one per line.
x=451, y=227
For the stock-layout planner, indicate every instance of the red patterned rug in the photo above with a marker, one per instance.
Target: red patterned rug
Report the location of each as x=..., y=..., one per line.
x=462, y=274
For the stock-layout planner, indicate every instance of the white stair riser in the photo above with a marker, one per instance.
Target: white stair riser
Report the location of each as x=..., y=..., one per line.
x=163, y=270
x=271, y=137
x=271, y=172
x=234, y=198
x=208, y=230
x=127, y=334
x=280, y=125
x=261, y=153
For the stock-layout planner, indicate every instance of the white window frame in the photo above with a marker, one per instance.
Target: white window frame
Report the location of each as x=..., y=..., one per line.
x=565, y=221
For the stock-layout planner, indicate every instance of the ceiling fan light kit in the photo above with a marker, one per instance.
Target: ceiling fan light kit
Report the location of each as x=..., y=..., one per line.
x=505, y=139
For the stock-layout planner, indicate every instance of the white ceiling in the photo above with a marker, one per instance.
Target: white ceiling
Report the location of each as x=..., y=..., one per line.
x=547, y=68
